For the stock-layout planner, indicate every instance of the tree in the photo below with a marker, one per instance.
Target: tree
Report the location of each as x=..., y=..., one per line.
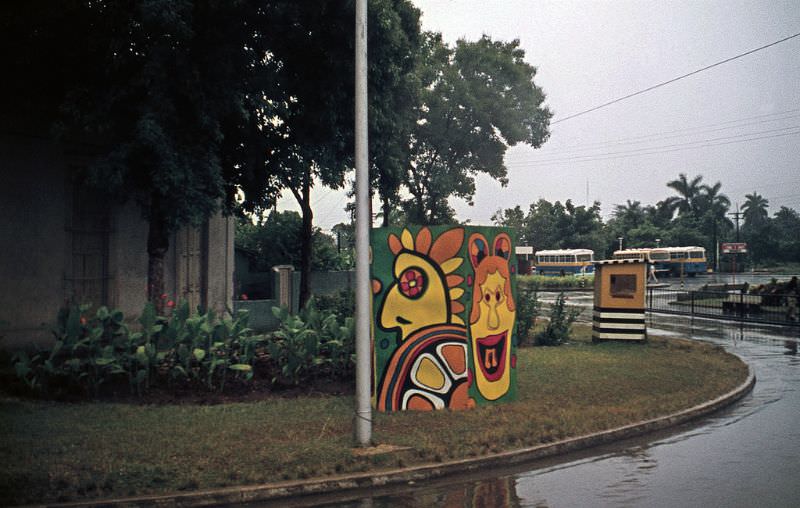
x=757, y=228
x=630, y=215
x=712, y=208
x=163, y=89
x=313, y=47
x=754, y=209
x=513, y=218
x=556, y=225
x=277, y=239
x=477, y=99
x=688, y=193
x=787, y=231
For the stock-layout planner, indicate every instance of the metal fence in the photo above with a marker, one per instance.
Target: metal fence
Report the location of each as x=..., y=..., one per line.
x=729, y=305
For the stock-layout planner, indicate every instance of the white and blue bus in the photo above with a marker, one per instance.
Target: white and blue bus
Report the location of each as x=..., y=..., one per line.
x=686, y=261
x=564, y=262
x=657, y=257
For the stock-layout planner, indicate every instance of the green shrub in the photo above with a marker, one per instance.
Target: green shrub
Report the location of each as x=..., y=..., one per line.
x=342, y=303
x=88, y=352
x=558, y=328
x=310, y=345
x=92, y=351
x=552, y=282
x=528, y=307
x=186, y=351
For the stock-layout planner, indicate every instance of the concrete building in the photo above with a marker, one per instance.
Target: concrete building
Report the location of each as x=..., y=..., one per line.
x=60, y=244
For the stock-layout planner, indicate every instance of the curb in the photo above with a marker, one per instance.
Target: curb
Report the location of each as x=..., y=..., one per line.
x=273, y=492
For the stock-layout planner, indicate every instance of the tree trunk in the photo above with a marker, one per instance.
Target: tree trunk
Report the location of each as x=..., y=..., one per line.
x=157, y=246
x=387, y=209
x=306, y=243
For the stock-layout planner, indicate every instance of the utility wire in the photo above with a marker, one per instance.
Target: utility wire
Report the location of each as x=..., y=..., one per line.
x=674, y=79
x=634, y=151
x=655, y=150
x=678, y=133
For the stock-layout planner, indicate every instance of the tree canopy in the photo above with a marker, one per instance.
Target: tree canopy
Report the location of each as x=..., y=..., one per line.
x=477, y=99
x=702, y=220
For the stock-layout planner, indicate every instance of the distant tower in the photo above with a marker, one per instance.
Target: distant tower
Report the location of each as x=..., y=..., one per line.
x=587, y=193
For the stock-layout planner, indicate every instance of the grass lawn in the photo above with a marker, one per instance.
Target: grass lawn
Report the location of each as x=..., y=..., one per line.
x=72, y=451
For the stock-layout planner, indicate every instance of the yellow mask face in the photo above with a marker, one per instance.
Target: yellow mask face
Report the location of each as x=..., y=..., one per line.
x=416, y=299
x=491, y=338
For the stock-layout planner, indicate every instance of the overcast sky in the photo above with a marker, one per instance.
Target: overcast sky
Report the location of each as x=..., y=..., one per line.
x=590, y=53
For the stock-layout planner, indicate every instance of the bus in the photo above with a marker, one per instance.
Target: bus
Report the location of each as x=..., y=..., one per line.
x=564, y=262
x=686, y=260
x=657, y=257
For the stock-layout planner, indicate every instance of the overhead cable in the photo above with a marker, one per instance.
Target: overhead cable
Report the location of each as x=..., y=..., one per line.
x=674, y=79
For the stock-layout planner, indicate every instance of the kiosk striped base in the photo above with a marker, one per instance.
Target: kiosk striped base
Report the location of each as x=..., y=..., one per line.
x=618, y=324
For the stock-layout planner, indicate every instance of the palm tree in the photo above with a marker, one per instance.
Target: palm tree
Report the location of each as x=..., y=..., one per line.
x=754, y=209
x=688, y=192
x=712, y=207
x=711, y=200
x=631, y=214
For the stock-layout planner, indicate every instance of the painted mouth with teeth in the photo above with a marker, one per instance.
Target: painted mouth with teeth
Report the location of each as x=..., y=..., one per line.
x=492, y=355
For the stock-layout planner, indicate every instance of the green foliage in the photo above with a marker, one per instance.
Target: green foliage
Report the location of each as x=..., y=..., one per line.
x=181, y=351
x=476, y=99
x=528, y=307
x=540, y=282
x=310, y=345
x=277, y=240
x=557, y=226
x=558, y=328
x=94, y=351
x=342, y=303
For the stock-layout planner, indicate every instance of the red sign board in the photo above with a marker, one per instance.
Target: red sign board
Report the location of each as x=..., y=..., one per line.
x=733, y=247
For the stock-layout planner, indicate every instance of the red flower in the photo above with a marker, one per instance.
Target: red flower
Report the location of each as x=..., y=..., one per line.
x=244, y=296
x=83, y=320
x=164, y=296
x=412, y=283
x=170, y=304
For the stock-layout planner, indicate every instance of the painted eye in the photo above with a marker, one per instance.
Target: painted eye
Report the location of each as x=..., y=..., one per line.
x=412, y=283
x=497, y=295
x=487, y=297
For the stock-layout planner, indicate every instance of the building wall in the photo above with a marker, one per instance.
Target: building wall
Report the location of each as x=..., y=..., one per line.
x=39, y=239
x=32, y=237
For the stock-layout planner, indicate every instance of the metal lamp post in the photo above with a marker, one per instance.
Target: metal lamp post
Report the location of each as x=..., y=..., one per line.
x=363, y=410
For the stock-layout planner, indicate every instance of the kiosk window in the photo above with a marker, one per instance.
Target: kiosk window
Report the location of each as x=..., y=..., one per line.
x=623, y=286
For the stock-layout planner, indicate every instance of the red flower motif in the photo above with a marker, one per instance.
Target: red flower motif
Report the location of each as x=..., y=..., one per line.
x=164, y=296
x=83, y=320
x=412, y=283
x=244, y=296
x=170, y=304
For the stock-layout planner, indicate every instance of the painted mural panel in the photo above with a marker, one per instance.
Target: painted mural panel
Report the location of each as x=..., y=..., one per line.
x=444, y=317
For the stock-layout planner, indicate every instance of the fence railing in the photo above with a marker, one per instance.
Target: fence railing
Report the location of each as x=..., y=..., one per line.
x=729, y=305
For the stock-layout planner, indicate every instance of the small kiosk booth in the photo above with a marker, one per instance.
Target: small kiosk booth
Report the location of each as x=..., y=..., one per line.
x=619, y=300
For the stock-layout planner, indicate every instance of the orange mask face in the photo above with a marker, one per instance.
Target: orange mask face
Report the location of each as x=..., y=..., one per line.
x=492, y=317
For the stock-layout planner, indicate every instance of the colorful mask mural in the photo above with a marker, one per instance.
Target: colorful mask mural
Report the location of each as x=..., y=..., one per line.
x=426, y=355
x=492, y=315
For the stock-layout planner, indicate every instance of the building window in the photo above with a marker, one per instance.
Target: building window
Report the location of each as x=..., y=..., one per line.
x=88, y=228
x=623, y=286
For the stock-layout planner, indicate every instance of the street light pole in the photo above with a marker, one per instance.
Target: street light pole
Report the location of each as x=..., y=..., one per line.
x=620, y=242
x=363, y=412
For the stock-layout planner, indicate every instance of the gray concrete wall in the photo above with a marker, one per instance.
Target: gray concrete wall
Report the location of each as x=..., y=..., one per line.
x=326, y=283
x=36, y=248
x=220, y=263
x=33, y=205
x=128, y=259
